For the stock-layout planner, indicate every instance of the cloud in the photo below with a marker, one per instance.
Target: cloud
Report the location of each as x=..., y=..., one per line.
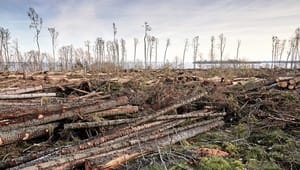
x=252, y=21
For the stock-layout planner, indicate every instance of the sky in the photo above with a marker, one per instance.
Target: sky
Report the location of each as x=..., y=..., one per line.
x=254, y=22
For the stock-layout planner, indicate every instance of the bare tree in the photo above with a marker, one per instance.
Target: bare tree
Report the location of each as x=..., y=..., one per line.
x=297, y=42
x=110, y=49
x=18, y=56
x=136, y=41
x=184, y=51
x=195, y=46
x=147, y=29
x=116, y=46
x=4, y=42
x=166, y=49
x=238, y=49
x=156, y=44
x=212, y=54
x=99, y=51
x=88, y=56
x=123, y=52
x=54, y=35
x=79, y=53
x=289, y=53
x=152, y=40
x=222, y=47
x=66, y=56
x=275, y=41
x=282, y=46
x=149, y=48
x=36, y=24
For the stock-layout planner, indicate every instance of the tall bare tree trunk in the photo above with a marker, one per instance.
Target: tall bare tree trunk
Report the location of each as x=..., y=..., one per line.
x=184, y=51
x=165, y=55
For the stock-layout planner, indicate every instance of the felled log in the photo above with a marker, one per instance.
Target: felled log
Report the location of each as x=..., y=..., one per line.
x=41, y=157
x=291, y=87
x=169, y=108
x=69, y=114
x=96, y=124
x=23, y=90
x=97, y=153
x=115, y=111
x=282, y=84
x=26, y=96
x=7, y=137
x=92, y=94
x=103, y=139
x=278, y=79
x=195, y=114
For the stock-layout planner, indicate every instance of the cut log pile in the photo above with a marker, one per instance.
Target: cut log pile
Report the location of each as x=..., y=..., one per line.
x=290, y=83
x=123, y=132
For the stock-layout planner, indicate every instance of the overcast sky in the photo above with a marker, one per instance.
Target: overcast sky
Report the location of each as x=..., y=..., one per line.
x=254, y=22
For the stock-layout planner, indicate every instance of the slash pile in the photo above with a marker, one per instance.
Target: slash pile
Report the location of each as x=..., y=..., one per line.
x=35, y=112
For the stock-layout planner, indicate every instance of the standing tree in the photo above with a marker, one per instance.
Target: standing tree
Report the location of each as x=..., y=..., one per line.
x=184, y=51
x=116, y=46
x=195, y=45
x=147, y=29
x=4, y=51
x=297, y=42
x=212, y=54
x=136, y=41
x=87, y=44
x=156, y=43
x=18, y=56
x=238, y=50
x=99, y=51
x=152, y=40
x=292, y=44
x=54, y=35
x=167, y=45
x=222, y=47
x=282, y=46
x=123, y=50
x=36, y=24
x=274, y=49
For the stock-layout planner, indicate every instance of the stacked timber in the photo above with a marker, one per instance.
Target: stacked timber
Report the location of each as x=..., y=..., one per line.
x=290, y=83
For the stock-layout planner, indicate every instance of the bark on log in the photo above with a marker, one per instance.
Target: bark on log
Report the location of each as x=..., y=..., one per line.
x=26, y=96
x=68, y=114
x=41, y=157
x=103, y=139
x=25, y=133
x=79, y=158
x=96, y=124
x=195, y=114
x=283, y=79
x=115, y=111
x=92, y=94
x=23, y=90
x=167, y=109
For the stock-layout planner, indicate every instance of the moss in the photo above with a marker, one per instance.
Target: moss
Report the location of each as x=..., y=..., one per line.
x=254, y=164
x=231, y=149
x=269, y=137
x=219, y=163
x=237, y=165
x=240, y=131
x=254, y=152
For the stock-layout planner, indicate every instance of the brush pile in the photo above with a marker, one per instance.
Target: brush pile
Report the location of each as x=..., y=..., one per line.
x=115, y=131
x=128, y=119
